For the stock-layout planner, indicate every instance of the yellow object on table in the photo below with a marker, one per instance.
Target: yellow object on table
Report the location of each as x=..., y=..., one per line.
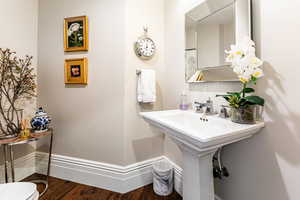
x=25, y=132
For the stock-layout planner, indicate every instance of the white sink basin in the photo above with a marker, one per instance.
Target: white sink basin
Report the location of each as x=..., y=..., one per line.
x=188, y=126
x=198, y=141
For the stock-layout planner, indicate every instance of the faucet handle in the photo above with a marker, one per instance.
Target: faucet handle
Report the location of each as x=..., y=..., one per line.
x=199, y=107
x=223, y=112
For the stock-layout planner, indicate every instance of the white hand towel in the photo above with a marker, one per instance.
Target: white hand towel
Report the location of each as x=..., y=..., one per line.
x=146, y=88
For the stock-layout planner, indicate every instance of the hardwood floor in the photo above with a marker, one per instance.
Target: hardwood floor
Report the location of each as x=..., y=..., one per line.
x=66, y=190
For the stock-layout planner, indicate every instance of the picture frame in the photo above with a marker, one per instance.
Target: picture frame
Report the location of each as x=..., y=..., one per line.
x=76, y=34
x=191, y=62
x=76, y=71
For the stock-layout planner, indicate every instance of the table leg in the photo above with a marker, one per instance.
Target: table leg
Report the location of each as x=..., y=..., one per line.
x=5, y=162
x=50, y=154
x=46, y=183
x=12, y=165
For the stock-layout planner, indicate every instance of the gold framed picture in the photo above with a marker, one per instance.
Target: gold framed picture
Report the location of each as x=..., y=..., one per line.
x=76, y=34
x=76, y=71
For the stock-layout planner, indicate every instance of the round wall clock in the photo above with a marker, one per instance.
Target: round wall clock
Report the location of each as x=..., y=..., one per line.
x=145, y=47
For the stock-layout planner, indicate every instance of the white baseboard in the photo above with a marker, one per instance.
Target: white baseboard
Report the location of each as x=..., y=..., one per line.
x=24, y=167
x=115, y=178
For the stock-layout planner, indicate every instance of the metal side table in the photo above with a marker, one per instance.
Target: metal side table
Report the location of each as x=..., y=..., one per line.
x=9, y=154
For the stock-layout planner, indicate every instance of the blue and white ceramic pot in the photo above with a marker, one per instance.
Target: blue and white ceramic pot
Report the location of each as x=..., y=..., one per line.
x=40, y=122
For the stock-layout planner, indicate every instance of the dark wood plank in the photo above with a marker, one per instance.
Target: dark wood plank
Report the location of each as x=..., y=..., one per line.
x=147, y=193
x=84, y=192
x=58, y=188
x=66, y=190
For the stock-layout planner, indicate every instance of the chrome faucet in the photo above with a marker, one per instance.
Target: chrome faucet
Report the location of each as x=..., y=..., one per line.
x=208, y=105
x=199, y=107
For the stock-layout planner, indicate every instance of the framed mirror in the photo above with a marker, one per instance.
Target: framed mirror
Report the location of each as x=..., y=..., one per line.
x=210, y=29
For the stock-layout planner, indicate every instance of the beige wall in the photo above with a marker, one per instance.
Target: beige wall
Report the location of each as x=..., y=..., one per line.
x=101, y=121
x=266, y=166
x=88, y=120
x=19, y=19
x=174, y=61
x=142, y=141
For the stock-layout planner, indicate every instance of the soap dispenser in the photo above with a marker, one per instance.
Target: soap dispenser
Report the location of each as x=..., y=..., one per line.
x=184, y=105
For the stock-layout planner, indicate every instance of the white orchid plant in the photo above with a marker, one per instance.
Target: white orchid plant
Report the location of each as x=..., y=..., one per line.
x=247, y=66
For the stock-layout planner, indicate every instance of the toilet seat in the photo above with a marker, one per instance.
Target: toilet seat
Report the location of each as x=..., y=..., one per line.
x=35, y=196
x=18, y=191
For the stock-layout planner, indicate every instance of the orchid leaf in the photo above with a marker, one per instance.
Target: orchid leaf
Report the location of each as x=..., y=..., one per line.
x=225, y=96
x=248, y=90
x=256, y=100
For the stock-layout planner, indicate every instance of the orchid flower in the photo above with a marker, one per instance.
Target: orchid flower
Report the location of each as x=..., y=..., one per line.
x=247, y=67
x=243, y=60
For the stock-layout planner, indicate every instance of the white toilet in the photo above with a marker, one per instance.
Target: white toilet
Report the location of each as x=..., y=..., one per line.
x=19, y=191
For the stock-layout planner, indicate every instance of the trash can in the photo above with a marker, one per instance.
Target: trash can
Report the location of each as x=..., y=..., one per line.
x=163, y=178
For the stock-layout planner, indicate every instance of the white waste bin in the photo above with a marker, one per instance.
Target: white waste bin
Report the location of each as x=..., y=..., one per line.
x=163, y=178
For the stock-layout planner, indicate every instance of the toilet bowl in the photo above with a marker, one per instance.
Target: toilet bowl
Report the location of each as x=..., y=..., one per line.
x=18, y=191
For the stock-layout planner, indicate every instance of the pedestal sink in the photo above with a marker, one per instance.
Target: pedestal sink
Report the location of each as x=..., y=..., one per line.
x=198, y=141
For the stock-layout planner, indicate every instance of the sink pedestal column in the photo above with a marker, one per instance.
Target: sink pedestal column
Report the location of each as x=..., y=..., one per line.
x=198, y=181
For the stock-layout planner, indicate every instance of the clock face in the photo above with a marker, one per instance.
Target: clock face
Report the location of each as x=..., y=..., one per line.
x=145, y=48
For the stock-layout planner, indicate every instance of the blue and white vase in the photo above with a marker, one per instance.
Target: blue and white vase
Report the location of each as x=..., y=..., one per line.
x=40, y=122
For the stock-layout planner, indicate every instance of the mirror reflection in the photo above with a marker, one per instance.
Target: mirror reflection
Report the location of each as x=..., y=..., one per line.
x=209, y=32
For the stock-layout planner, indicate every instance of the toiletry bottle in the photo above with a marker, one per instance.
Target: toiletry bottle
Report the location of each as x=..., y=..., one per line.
x=184, y=101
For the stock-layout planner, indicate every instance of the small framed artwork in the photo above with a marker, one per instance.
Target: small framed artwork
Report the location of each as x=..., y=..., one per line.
x=191, y=63
x=76, y=34
x=76, y=71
